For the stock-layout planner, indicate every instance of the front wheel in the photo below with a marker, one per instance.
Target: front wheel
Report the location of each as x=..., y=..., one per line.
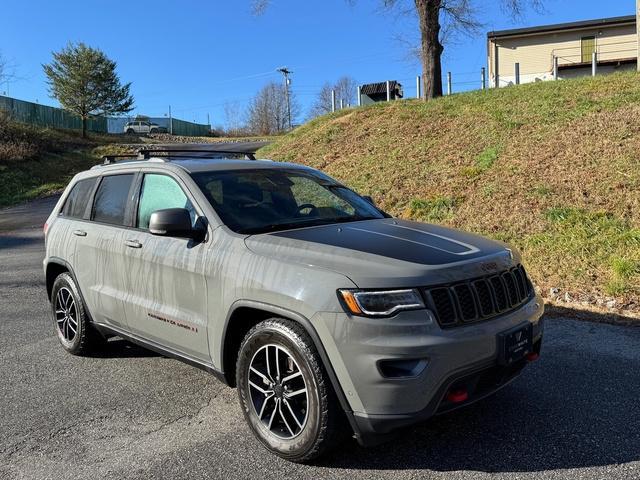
x=285, y=394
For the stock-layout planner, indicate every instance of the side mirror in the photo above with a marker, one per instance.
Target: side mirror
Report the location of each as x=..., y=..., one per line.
x=369, y=199
x=172, y=222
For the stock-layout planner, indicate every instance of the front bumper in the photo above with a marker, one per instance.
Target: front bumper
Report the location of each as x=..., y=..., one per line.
x=358, y=346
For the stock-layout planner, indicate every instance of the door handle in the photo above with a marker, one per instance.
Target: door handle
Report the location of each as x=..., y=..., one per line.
x=80, y=233
x=133, y=243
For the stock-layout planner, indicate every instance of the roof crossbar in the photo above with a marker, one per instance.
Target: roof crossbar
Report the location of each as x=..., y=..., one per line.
x=110, y=159
x=146, y=153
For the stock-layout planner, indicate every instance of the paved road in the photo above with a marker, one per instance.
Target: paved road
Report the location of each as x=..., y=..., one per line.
x=132, y=414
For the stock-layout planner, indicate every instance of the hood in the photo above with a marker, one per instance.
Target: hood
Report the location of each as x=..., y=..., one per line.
x=387, y=252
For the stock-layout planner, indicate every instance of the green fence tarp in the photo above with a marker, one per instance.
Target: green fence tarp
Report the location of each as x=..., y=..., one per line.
x=188, y=129
x=45, y=116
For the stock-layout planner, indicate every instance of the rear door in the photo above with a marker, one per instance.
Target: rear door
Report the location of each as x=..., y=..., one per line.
x=70, y=222
x=167, y=295
x=100, y=264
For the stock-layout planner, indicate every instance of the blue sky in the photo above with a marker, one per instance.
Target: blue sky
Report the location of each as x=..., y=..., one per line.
x=198, y=55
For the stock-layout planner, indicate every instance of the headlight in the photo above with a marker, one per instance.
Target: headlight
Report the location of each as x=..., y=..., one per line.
x=380, y=303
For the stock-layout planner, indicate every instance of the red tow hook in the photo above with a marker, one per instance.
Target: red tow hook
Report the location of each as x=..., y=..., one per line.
x=458, y=395
x=533, y=356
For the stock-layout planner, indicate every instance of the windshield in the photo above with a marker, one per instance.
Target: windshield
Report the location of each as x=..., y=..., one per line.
x=266, y=200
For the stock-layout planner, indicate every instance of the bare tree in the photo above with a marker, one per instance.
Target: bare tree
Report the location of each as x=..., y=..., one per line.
x=345, y=89
x=7, y=73
x=267, y=113
x=233, y=118
x=440, y=18
x=437, y=18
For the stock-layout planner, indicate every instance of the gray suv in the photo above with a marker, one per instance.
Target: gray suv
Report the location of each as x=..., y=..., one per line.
x=329, y=316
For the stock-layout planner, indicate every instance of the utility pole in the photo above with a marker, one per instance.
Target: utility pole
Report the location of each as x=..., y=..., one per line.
x=170, y=122
x=286, y=72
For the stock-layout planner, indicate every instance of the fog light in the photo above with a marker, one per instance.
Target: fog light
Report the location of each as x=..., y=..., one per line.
x=402, y=368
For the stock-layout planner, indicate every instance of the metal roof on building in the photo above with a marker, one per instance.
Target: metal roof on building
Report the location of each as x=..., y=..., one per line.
x=600, y=22
x=380, y=87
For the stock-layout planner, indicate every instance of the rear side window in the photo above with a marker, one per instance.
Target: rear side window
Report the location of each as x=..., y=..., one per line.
x=76, y=203
x=111, y=199
x=160, y=192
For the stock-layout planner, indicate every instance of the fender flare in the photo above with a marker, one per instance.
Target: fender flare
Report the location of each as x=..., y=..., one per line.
x=315, y=338
x=67, y=265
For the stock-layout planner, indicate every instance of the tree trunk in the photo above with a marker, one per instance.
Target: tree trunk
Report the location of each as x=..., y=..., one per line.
x=84, y=127
x=430, y=46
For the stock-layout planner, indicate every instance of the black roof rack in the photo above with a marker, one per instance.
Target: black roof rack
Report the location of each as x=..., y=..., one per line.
x=146, y=153
x=110, y=159
x=190, y=150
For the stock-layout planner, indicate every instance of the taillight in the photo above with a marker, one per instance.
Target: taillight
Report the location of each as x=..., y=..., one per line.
x=45, y=228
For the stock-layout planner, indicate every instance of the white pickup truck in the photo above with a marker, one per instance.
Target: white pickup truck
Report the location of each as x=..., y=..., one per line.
x=142, y=127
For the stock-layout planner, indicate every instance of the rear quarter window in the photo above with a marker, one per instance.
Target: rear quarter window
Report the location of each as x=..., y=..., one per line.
x=111, y=199
x=78, y=199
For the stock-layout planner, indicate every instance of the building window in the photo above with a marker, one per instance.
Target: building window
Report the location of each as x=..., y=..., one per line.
x=588, y=45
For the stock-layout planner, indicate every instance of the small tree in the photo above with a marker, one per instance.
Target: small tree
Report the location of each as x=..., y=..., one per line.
x=85, y=82
x=345, y=89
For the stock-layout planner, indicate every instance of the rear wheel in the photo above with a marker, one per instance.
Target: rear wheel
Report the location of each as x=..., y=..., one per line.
x=72, y=325
x=285, y=394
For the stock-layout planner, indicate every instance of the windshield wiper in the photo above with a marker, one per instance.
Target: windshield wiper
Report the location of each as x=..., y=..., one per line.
x=304, y=223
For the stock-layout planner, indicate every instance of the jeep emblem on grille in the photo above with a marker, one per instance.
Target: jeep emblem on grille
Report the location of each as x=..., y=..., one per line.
x=489, y=266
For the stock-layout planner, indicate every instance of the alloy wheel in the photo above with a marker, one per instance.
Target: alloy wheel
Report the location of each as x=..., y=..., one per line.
x=66, y=314
x=278, y=391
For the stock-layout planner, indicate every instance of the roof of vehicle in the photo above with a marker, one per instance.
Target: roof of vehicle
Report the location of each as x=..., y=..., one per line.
x=195, y=157
x=199, y=164
x=195, y=164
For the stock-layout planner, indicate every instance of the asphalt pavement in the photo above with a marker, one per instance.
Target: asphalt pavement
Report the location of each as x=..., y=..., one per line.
x=129, y=413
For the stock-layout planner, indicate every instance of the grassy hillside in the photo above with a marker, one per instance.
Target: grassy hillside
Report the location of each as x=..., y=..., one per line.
x=36, y=161
x=552, y=168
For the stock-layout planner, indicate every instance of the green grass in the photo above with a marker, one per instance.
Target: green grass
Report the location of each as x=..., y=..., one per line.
x=434, y=210
x=583, y=242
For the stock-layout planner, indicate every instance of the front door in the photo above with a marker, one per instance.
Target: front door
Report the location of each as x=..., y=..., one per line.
x=588, y=46
x=167, y=295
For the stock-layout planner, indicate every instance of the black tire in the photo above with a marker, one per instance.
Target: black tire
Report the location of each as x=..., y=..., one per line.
x=67, y=307
x=324, y=424
x=153, y=131
x=130, y=131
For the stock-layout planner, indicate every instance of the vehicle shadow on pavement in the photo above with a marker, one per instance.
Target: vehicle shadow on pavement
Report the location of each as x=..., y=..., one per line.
x=119, y=348
x=13, y=241
x=578, y=406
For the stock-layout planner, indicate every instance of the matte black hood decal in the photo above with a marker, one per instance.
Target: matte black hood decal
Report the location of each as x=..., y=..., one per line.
x=402, y=240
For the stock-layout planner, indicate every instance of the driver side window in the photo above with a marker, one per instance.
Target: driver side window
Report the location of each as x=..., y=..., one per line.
x=160, y=192
x=308, y=192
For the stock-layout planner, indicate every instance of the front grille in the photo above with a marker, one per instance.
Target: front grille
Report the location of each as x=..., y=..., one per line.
x=479, y=298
